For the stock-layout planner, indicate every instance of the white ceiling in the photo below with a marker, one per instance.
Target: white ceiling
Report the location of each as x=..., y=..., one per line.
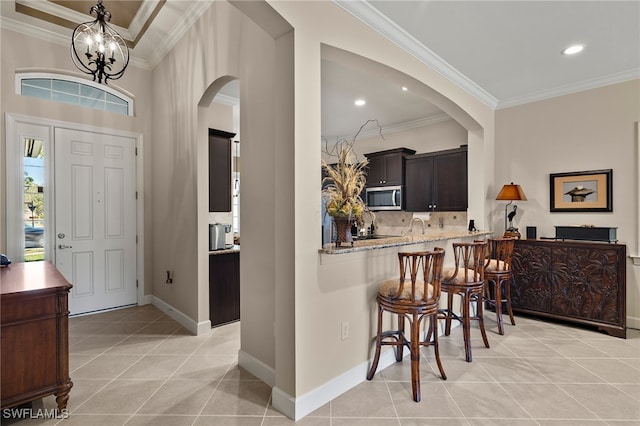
x=503, y=52
x=510, y=50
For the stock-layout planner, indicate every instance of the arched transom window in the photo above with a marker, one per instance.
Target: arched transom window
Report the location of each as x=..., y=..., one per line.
x=72, y=90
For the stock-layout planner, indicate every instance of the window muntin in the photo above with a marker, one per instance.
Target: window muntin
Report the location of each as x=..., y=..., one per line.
x=74, y=91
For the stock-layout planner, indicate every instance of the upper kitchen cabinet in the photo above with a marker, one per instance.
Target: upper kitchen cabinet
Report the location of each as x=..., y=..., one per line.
x=220, y=170
x=437, y=181
x=387, y=168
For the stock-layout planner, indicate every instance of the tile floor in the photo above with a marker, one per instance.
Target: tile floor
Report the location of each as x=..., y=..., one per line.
x=137, y=366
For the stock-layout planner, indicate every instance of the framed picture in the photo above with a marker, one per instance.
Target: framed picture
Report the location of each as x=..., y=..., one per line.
x=581, y=191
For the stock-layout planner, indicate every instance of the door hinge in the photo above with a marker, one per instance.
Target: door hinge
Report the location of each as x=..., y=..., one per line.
x=136, y=150
x=136, y=283
x=136, y=195
x=136, y=239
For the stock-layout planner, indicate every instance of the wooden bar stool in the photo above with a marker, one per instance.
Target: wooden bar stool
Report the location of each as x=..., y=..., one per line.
x=415, y=295
x=467, y=281
x=497, y=273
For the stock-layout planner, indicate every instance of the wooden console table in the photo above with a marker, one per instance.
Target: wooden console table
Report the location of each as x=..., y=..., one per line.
x=581, y=282
x=34, y=318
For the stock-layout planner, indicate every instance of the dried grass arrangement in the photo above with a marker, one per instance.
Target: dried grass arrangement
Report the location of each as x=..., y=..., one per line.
x=343, y=185
x=345, y=180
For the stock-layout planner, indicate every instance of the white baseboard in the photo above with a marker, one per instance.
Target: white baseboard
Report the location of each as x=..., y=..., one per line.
x=284, y=403
x=196, y=328
x=256, y=367
x=297, y=408
x=145, y=300
x=633, y=322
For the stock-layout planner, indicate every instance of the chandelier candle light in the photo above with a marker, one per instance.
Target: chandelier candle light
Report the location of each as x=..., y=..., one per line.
x=97, y=49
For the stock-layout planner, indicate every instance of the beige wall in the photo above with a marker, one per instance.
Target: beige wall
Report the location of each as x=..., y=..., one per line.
x=222, y=44
x=320, y=353
x=22, y=52
x=590, y=130
x=226, y=44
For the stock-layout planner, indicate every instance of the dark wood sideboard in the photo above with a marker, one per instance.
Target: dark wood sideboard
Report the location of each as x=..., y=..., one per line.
x=34, y=320
x=577, y=281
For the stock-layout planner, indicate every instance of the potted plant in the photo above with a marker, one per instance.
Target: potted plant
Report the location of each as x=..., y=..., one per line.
x=344, y=182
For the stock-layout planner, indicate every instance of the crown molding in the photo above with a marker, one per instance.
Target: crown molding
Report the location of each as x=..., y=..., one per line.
x=366, y=13
x=33, y=31
x=179, y=28
x=70, y=15
x=57, y=10
x=408, y=125
x=571, y=88
x=146, y=12
x=53, y=37
x=226, y=99
x=400, y=127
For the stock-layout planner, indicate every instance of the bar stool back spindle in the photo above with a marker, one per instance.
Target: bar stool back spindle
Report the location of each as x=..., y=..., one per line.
x=414, y=296
x=466, y=280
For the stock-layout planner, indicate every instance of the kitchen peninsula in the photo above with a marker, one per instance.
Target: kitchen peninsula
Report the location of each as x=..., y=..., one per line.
x=414, y=241
x=348, y=279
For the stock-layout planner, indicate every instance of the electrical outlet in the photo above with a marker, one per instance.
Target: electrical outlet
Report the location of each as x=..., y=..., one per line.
x=345, y=330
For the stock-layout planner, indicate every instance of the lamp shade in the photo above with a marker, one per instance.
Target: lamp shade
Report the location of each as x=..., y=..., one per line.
x=511, y=192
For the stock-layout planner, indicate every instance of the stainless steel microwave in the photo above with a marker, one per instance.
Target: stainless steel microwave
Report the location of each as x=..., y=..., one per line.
x=384, y=198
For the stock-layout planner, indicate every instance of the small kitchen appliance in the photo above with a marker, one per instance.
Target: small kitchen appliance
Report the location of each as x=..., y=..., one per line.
x=217, y=235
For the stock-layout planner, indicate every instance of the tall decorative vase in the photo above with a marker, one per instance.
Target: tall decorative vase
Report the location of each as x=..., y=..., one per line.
x=343, y=230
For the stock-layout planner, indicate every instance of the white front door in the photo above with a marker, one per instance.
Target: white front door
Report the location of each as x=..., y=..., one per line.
x=95, y=218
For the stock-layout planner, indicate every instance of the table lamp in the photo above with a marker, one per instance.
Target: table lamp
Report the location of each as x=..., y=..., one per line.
x=511, y=192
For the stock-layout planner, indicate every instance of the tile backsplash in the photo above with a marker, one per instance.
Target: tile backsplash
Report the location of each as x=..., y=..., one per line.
x=397, y=223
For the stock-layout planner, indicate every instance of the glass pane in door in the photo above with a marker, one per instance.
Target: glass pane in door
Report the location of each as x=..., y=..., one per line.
x=33, y=211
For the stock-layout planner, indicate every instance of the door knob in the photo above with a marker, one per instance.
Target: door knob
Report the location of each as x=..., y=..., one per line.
x=61, y=246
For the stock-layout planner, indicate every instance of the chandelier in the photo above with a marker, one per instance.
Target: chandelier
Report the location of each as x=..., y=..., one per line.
x=97, y=49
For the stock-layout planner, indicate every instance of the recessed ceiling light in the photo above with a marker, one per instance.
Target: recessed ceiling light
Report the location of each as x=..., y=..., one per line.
x=404, y=88
x=360, y=102
x=572, y=50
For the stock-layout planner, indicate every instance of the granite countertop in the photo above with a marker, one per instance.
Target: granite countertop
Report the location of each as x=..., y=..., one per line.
x=230, y=248
x=395, y=241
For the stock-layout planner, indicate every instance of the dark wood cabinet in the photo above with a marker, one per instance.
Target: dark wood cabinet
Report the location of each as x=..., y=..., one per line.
x=35, y=334
x=220, y=170
x=387, y=168
x=581, y=282
x=437, y=181
x=419, y=184
x=224, y=288
x=324, y=174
